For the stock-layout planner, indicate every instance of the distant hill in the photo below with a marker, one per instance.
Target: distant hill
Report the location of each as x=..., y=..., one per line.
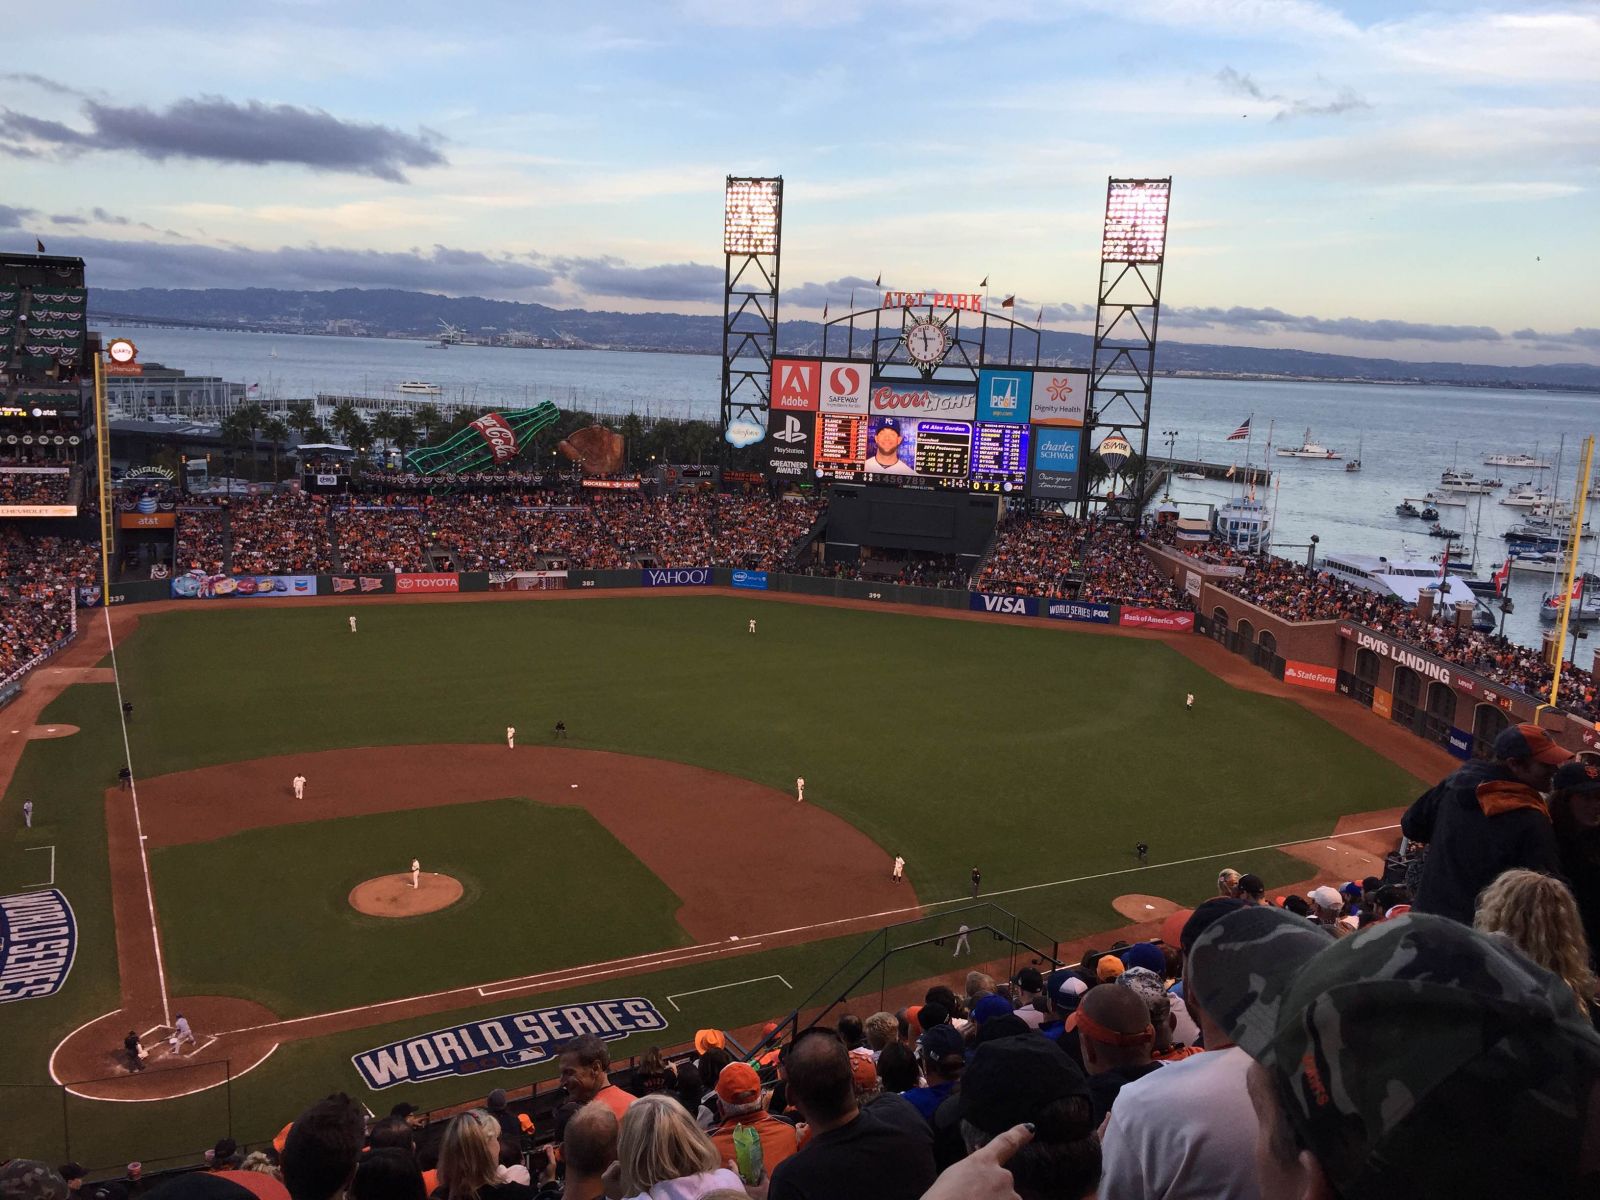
x=392, y=312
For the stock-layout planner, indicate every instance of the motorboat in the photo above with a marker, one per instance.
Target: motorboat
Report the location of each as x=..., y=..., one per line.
x=1407, y=509
x=1439, y=531
x=1429, y=514
x=1455, y=558
x=1401, y=578
x=1190, y=475
x=1522, y=462
x=1585, y=602
x=1243, y=524
x=1526, y=495
x=1539, y=562
x=1354, y=464
x=1308, y=449
x=415, y=387
x=1465, y=482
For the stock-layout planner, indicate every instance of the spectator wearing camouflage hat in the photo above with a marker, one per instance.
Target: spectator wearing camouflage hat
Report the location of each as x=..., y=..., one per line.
x=1418, y=1058
x=1150, y=1150
x=1575, y=816
x=29, y=1179
x=1485, y=818
x=1160, y=1004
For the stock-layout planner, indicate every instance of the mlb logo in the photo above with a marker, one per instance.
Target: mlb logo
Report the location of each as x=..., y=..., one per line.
x=795, y=384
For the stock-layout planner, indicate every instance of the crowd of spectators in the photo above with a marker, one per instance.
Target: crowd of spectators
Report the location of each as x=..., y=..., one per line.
x=26, y=487
x=37, y=578
x=200, y=541
x=899, y=567
x=284, y=534
x=1046, y=554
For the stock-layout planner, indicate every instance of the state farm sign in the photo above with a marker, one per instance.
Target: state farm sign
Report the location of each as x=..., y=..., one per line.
x=924, y=400
x=428, y=581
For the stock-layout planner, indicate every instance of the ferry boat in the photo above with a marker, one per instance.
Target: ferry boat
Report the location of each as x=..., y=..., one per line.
x=415, y=387
x=1523, y=462
x=1465, y=481
x=1243, y=524
x=1308, y=449
x=1402, y=578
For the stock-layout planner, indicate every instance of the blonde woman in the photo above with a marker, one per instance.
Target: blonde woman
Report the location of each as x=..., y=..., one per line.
x=1538, y=914
x=469, y=1160
x=663, y=1155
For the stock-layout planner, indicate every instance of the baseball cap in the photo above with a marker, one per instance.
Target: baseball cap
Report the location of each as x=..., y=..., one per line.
x=1529, y=741
x=738, y=1083
x=403, y=1110
x=1146, y=984
x=1147, y=955
x=1416, y=1056
x=863, y=1073
x=1029, y=979
x=30, y=1179
x=70, y=1171
x=1010, y=1079
x=1003, y=1026
x=1200, y=920
x=989, y=1007
x=1327, y=897
x=942, y=1041
x=496, y=1099
x=1252, y=884
x=1108, y=968
x=1579, y=775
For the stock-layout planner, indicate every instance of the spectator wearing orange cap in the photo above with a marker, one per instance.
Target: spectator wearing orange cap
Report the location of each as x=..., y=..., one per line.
x=743, y=1103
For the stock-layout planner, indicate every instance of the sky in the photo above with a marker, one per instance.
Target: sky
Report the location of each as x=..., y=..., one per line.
x=1382, y=178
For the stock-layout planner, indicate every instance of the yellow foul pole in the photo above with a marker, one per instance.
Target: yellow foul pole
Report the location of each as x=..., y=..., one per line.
x=102, y=454
x=1571, y=573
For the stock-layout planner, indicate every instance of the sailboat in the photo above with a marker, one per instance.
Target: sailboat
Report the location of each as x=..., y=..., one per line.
x=1355, y=463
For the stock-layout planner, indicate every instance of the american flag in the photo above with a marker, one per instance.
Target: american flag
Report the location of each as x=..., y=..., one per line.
x=1239, y=434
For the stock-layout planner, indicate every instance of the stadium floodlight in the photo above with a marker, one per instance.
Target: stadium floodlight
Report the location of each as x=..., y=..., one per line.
x=752, y=215
x=1136, y=220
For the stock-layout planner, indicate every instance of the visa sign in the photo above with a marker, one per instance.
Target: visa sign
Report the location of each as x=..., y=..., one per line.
x=1017, y=606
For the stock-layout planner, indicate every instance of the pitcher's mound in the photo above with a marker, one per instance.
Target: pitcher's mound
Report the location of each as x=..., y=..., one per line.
x=393, y=895
x=1142, y=908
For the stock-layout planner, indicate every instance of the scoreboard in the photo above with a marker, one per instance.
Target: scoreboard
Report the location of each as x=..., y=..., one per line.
x=999, y=458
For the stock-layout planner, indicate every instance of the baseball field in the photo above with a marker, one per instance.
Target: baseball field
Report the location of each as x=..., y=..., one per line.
x=657, y=853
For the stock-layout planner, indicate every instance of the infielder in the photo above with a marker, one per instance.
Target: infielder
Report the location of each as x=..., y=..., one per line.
x=511, y=737
x=299, y=787
x=1188, y=700
x=899, y=871
x=181, y=1033
x=752, y=624
x=961, y=942
x=352, y=624
x=27, y=814
x=416, y=874
x=800, y=791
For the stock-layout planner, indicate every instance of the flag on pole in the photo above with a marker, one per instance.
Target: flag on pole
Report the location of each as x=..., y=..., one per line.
x=1040, y=321
x=40, y=246
x=985, y=282
x=1239, y=434
x=824, y=312
x=878, y=282
x=252, y=387
x=1501, y=576
x=1009, y=302
x=1230, y=471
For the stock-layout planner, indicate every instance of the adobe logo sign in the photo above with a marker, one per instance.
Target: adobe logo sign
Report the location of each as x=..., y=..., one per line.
x=844, y=387
x=794, y=384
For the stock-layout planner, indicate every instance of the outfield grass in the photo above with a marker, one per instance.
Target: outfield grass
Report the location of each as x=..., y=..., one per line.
x=265, y=913
x=1040, y=753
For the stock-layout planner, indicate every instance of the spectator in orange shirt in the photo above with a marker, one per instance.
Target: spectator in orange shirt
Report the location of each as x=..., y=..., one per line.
x=585, y=1073
x=739, y=1089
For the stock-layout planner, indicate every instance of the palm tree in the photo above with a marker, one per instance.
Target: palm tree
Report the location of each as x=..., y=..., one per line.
x=382, y=427
x=404, y=436
x=302, y=417
x=251, y=417
x=427, y=419
x=346, y=421
x=276, y=430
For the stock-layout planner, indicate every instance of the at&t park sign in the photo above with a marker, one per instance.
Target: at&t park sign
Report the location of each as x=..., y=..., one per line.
x=965, y=301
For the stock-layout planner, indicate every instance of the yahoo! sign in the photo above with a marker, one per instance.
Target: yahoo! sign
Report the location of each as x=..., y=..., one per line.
x=675, y=577
x=924, y=400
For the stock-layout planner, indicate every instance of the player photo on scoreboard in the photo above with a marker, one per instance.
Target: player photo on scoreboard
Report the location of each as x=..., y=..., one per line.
x=912, y=448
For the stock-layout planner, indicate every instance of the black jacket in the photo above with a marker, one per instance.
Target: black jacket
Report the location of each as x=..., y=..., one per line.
x=1467, y=849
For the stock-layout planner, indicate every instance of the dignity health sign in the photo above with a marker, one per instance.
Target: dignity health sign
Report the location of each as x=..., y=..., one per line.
x=501, y=1043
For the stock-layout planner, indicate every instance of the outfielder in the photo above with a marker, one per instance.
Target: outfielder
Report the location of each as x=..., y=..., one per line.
x=27, y=814
x=800, y=791
x=299, y=787
x=416, y=874
x=752, y=624
x=511, y=737
x=1188, y=700
x=961, y=942
x=352, y=624
x=899, y=871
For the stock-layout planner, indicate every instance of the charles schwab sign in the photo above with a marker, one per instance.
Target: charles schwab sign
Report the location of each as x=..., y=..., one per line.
x=502, y=1043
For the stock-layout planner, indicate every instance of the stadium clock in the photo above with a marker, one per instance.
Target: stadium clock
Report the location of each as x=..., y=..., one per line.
x=927, y=343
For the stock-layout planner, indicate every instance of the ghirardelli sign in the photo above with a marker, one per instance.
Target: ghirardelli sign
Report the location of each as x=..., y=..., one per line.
x=500, y=437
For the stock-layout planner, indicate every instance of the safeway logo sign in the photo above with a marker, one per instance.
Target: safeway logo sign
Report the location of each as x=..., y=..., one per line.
x=1019, y=606
x=795, y=384
x=791, y=431
x=844, y=388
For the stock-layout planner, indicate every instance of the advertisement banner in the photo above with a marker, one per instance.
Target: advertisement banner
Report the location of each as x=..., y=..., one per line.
x=795, y=384
x=38, y=938
x=1157, y=618
x=1383, y=703
x=675, y=577
x=1056, y=463
x=527, y=581
x=1005, y=396
x=1460, y=743
x=1191, y=583
x=427, y=581
x=143, y=520
x=908, y=398
x=1081, y=610
x=790, y=440
x=844, y=387
x=1401, y=654
x=1017, y=606
x=754, y=580
x=1059, y=397
x=500, y=1043
x=1309, y=675
x=358, y=585
x=200, y=585
x=612, y=485
x=38, y=510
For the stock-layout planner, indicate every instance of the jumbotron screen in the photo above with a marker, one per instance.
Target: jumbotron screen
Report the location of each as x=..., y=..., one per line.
x=828, y=420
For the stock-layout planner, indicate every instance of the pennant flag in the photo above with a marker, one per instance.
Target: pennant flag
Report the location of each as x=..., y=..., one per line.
x=1501, y=576
x=1040, y=321
x=40, y=246
x=1230, y=472
x=1239, y=434
x=824, y=312
x=985, y=282
x=1009, y=302
x=878, y=282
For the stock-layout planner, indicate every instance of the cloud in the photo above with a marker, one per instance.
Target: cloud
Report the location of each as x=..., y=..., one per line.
x=40, y=82
x=670, y=281
x=835, y=291
x=106, y=218
x=1266, y=320
x=1579, y=338
x=68, y=219
x=12, y=218
x=215, y=129
x=1240, y=84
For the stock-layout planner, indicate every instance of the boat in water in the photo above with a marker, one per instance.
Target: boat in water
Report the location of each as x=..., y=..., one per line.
x=1585, y=602
x=415, y=387
x=1308, y=449
x=1439, y=531
x=1401, y=578
x=1526, y=495
x=1429, y=514
x=1243, y=524
x=1522, y=462
x=1190, y=475
x=1539, y=562
x=1407, y=509
x=1465, y=482
x=1354, y=464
